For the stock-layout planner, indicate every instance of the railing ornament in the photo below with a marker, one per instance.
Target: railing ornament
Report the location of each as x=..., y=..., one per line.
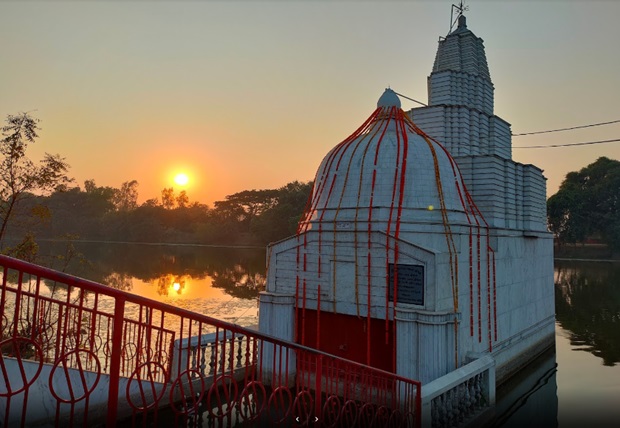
x=117, y=358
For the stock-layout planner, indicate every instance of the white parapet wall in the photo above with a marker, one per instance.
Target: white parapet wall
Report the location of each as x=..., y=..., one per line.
x=277, y=318
x=41, y=405
x=463, y=397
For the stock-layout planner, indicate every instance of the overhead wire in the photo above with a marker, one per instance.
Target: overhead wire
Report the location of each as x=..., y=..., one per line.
x=567, y=144
x=572, y=128
x=411, y=99
x=566, y=129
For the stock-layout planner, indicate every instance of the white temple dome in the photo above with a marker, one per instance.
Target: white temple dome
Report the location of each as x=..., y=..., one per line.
x=388, y=171
x=389, y=99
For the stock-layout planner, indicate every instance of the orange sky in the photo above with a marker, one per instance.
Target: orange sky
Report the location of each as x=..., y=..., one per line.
x=251, y=95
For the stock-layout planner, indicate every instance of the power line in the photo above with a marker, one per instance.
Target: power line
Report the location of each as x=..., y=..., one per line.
x=411, y=99
x=567, y=145
x=566, y=129
x=546, y=132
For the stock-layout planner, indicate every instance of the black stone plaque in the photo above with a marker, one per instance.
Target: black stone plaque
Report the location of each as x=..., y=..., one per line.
x=410, y=283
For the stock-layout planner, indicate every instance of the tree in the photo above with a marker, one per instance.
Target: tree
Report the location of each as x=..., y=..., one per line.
x=182, y=199
x=19, y=176
x=100, y=199
x=167, y=198
x=588, y=204
x=247, y=205
x=126, y=198
x=281, y=220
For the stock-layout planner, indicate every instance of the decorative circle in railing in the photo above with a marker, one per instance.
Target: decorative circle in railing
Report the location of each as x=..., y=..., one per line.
x=227, y=386
x=348, y=414
x=19, y=348
x=183, y=390
x=161, y=355
x=303, y=407
x=96, y=342
x=70, y=341
x=403, y=420
x=331, y=411
x=382, y=417
x=107, y=348
x=280, y=402
x=146, y=375
x=396, y=419
x=366, y=415
x=44, y=334
x=129, y=351
x=24, y=326
x=410, y=419
x=252, y=401
x=67, y=384
x=4, y=326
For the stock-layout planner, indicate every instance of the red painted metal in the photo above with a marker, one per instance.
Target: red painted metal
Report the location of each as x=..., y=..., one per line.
x=76, y=338
x=479, y=287
x=350, y=341
x=115, y=361
x=471, y=287
x=494, y=295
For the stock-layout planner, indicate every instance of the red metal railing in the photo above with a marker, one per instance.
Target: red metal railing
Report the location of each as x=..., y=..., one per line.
x=76, y=352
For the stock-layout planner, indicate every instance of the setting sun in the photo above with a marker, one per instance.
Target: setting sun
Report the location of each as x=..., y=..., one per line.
x=181, y=179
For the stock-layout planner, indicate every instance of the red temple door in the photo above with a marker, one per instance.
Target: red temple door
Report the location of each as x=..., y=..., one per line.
x=348, y=336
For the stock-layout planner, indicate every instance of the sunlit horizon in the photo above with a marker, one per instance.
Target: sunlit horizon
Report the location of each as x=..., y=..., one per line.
x=253, y=95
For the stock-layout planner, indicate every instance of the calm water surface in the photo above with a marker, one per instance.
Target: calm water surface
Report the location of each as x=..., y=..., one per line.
x=577, y=385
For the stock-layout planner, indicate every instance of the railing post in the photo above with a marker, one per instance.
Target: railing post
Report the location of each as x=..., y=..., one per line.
x=425, y=413
x=115, y=361
x=490, y=385
x=418, y=405
x=317, y=387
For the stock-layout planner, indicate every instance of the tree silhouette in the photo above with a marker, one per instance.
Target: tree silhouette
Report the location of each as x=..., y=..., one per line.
x=167, y=198
x=588, y=204
x=182, y=199
x=126, y=198
x=19, y=176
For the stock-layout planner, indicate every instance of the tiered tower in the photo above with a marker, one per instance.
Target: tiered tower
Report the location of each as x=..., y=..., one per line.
x=424, y=244
x=460, y=115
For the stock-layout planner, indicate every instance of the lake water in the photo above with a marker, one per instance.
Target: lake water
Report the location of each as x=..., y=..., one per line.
x=576, y=385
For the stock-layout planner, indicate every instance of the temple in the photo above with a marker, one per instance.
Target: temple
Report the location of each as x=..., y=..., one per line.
x=424, y=246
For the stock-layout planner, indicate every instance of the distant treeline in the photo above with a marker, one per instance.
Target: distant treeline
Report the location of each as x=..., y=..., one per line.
x=251, y=217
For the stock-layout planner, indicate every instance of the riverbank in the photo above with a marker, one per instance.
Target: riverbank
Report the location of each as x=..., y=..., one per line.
x=593, y=252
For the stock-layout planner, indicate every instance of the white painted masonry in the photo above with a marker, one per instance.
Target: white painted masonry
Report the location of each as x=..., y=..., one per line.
x=487, y=276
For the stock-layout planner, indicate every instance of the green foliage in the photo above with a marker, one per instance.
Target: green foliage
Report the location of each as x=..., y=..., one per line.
x=167, y=198
x=21, y=178
x=126, y=198
x=587, y=204
x=27, y=249
x=247, y=205
x=182, y=199
x=280, y=221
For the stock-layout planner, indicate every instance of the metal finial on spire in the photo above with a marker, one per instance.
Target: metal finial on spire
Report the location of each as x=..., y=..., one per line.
x=460, y=8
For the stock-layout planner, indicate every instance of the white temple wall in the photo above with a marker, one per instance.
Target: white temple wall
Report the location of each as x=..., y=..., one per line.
x=464, y=131
x=458, y=88
x=515, y=312
x=500, y=140
x=343, y=269
x=525, y=307
x=509, y=194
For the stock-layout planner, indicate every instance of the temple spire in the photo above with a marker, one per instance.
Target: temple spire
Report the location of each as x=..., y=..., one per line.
x=457, y=17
